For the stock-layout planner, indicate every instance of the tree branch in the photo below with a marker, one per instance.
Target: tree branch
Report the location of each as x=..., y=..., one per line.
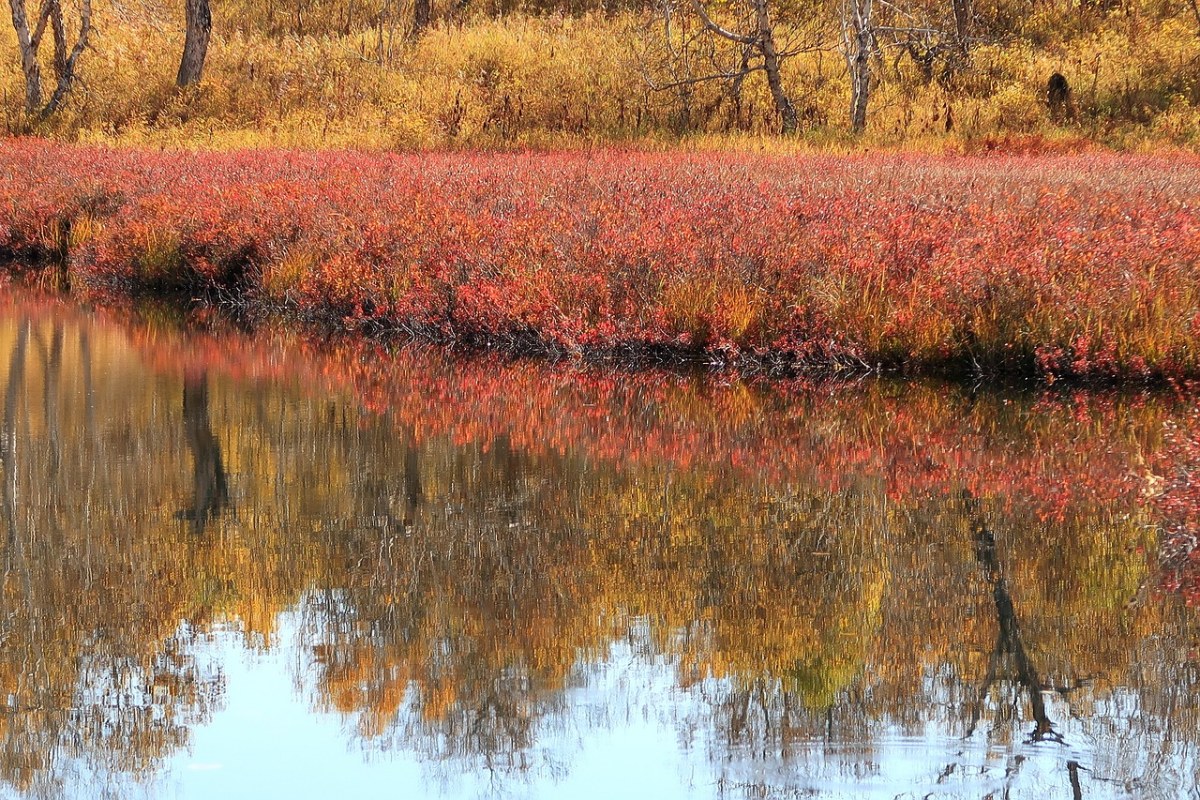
x=716, y=76
x=717, y=29
x=43, y=17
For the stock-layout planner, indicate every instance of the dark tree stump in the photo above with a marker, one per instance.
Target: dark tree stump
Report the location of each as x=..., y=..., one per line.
x=1059, y=99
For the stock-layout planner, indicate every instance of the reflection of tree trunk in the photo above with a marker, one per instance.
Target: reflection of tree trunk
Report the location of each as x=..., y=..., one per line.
x=89, y=432
x=1073, y=774
x=412, y=484
x=50, y=401
x=1008, y=642
x=8, y=448
x=89, y=387
x=8, y=458
x=209, y=493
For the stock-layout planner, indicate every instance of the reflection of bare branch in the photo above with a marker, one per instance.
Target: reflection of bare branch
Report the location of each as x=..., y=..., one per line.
x=1009, y=640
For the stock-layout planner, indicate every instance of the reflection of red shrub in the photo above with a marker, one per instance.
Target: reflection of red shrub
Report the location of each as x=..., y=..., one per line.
x=1068, y=266
x=1178, y=504
x=1061, y=458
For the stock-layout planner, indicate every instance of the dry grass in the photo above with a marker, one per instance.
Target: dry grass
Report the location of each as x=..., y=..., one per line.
x=555, y=81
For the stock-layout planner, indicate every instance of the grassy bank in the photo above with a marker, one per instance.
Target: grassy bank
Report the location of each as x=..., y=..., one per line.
x=1069, y=267
x=557, y=80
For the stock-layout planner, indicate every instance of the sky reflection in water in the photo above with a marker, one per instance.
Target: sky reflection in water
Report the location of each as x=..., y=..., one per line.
x=235, y=569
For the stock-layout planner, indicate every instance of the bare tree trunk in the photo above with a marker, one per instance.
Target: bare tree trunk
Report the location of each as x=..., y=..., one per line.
x=963, y=12
x=735, y=87
x=858, y=39
x=763, y=40
x=421, y=15
x=64, y=63
x=195, y=43
x=58, y=29
x=27, y=43
x=65, y=60
x=766, y=45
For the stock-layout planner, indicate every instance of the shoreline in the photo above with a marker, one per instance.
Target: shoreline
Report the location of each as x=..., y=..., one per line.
x=216, y=316
x=757, y=265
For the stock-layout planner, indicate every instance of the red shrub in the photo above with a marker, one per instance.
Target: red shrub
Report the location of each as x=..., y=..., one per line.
x=1066, y=266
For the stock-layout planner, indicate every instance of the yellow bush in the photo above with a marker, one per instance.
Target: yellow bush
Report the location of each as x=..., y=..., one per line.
x=558, y=80
x=1016, y=108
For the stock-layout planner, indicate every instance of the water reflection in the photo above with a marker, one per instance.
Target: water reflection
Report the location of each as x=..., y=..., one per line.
x=512, y=579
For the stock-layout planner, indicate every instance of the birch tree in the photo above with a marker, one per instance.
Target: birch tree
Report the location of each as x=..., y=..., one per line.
x=692, y=31
x=64, y=58
x=858, y=44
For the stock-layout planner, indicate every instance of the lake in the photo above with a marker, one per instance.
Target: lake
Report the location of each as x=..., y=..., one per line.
x=252, y=566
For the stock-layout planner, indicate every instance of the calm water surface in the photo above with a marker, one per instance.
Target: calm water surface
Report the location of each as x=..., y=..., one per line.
x=236, y=569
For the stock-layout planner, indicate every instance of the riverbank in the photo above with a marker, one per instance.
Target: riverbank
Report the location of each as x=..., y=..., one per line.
x=1042, y=267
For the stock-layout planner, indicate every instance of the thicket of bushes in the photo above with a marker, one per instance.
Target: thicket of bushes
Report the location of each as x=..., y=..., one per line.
x=340, y=74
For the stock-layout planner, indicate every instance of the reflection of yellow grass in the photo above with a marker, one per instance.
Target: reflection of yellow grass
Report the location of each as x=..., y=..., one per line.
x=437, y=699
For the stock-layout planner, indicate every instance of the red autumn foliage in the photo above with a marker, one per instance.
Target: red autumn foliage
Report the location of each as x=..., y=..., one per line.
x=1057, y=458
x=1063, y=266
x=1064, y=461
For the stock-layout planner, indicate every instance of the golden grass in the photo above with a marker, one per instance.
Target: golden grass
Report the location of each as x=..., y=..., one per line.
x=555, y=81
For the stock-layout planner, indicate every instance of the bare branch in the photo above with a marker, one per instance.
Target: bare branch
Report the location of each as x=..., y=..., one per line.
x=896, y=9
x=724, y=33
x=716, y=76
x=901, y=29
x=43, y=17
x=65, y=68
